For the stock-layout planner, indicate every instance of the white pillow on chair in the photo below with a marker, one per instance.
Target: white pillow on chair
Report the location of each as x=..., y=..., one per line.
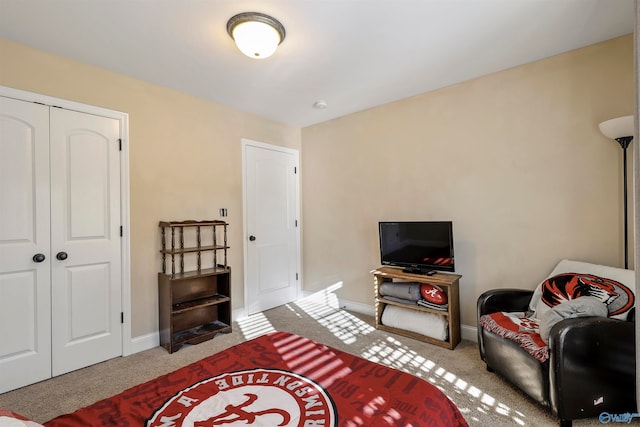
x=579, y=307
x=572, y=279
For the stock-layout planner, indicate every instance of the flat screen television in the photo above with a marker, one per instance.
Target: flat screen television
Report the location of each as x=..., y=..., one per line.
x=418, y=246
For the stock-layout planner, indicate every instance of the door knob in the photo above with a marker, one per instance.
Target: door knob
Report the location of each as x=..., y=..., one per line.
x=61, y=256
x=38, y=258
x=252, y=238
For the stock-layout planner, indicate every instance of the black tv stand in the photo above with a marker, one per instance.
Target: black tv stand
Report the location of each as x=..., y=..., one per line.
x=418, y=270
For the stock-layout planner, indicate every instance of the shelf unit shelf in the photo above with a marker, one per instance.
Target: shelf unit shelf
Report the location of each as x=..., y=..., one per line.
x=195, y=305
x=202, y=302
x=200, y=273
x=200, y=333
x=382, y=300
x=194, y=249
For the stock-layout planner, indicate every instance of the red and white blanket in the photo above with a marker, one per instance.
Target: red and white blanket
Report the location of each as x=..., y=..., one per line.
x=519, y=328
x=278, y=379
x=12, y=419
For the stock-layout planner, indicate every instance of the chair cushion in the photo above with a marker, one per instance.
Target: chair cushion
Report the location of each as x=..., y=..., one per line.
x=570, y=279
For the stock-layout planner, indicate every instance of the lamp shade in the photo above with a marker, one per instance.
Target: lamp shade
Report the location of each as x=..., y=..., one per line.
x=257, y=35
x=617, y=128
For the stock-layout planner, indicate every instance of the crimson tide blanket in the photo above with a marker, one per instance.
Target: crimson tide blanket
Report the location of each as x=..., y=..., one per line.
x=519, y=328
x=278, y=379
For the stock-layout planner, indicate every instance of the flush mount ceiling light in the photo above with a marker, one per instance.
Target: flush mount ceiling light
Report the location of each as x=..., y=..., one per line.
x=257, y=35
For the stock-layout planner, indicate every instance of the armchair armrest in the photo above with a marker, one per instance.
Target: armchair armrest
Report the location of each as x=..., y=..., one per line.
x=496, y=300
x=592, y=367
x=503, y=300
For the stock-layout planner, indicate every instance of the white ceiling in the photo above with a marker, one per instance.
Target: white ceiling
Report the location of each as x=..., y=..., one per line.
x=353, y=54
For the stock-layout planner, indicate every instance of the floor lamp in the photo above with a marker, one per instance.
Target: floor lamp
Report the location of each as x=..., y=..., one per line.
x=621, y=129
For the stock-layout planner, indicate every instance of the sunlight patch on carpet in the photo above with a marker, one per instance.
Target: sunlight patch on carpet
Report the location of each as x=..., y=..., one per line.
x=255, y=325
x=323, y=307
x=391, y=352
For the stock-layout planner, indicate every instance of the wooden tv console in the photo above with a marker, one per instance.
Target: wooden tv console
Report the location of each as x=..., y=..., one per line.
x=448, y=282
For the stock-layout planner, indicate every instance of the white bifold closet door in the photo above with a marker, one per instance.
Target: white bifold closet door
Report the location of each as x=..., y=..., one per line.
x=60, y=244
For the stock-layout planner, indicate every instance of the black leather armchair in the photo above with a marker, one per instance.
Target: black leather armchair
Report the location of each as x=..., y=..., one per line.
x=591, y=366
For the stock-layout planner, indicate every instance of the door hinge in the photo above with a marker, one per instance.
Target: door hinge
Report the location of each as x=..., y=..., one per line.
x=295, y=169
x=296, y=276
x=119, y=144
x=296, y=222
x=121, y=231
x=122, y=317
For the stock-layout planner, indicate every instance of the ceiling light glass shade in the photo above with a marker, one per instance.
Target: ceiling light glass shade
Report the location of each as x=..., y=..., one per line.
x=257, y=35
x=617, y=128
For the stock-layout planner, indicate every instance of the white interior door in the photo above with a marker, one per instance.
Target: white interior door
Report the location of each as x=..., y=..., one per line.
x=85, y=240
x=271, y=233
x=25, y=310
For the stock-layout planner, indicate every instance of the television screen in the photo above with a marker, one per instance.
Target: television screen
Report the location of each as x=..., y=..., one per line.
x=418, y=246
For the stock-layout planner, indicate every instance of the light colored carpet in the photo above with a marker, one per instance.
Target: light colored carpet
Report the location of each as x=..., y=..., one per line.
x=483, y=398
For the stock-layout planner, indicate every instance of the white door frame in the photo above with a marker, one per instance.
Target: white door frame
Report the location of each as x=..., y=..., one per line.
x=123, y=118
x=245, y=245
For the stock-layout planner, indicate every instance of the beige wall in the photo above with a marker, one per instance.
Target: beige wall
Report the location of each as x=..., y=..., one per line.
x=514, y=158
x=185, y=157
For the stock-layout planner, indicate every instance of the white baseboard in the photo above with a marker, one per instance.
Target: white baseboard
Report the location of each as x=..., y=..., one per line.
x=357, y=307
x=151, y=340
x=145, y=342
x=238, y=313
x=469, y=333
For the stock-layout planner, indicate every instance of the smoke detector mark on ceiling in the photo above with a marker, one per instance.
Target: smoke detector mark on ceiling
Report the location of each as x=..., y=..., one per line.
x=320, y=104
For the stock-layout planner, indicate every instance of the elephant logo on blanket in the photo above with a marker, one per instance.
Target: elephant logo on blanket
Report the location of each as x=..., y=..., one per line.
x=569, y=286
x=252, y=397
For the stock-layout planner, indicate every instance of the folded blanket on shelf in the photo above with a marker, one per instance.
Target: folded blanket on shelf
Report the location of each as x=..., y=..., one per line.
x=428, y=324
x=425, y=303
x=400, y=300
x=404, y=290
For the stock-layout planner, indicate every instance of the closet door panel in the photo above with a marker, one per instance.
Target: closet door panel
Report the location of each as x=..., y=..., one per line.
x=88, y=182
x=85, y=232
x=25, y=313
x=86, y=283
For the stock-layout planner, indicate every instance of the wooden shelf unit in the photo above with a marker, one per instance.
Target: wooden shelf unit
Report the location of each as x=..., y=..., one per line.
x=194, y=305
x=448, y=282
